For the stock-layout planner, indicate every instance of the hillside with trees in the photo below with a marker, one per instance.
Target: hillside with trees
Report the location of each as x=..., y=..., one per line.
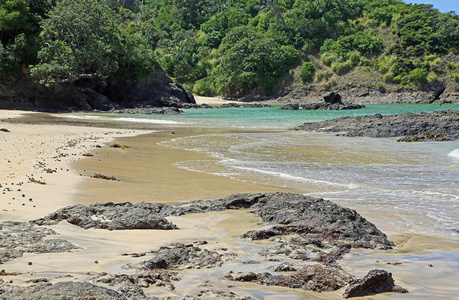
x=232, y=47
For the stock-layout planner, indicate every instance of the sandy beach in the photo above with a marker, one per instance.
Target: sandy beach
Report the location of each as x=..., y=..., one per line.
x=64, y=157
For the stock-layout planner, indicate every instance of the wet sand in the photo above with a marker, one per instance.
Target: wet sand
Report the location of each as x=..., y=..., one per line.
x=27, y=145
x=146, y=172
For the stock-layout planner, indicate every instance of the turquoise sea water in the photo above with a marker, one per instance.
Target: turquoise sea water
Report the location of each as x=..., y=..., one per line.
x=261, y=118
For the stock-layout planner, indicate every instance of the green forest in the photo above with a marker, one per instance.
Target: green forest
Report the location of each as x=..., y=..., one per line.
x=231, y=47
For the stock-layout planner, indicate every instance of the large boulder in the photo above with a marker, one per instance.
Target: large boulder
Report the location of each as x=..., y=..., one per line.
x=333, y=98
x=375, y=282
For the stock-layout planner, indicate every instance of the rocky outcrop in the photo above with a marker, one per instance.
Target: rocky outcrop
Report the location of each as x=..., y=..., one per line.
x=439, y=126
x=243, y=105
x=159, y=90
x=375, y=282
x=321, y=106
x=290, y=214
x=181, y=256
x=59, y=291
x=143, y=278
x=332, y=101
x=149, y=110
x=17, y=238
x=437, y=94
x=112, y=216
x=318, y=278
x=303, y=215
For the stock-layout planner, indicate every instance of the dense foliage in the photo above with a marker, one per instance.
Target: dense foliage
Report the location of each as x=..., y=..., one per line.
x=228, y=47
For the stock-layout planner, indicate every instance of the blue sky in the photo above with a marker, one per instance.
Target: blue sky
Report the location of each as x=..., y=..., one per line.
x=442, y=5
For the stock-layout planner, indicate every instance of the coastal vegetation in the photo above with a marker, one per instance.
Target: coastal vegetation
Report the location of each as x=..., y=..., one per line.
x=232, y=48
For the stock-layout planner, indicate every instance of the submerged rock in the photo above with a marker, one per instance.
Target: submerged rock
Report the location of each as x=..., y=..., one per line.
x=375, y=282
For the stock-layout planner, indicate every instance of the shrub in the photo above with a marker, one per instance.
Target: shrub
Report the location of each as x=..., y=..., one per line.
x=388, y=77
x=417, y=76
x=323, y=75
x=307, y=71
x=341, y=68
x=354, y=57
x=432, y=77
x=328, y=58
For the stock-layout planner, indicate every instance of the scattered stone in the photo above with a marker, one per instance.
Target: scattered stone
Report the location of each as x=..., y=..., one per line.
x=120, y=146
x=100, y=176
x=375, y=282
x=4, y=130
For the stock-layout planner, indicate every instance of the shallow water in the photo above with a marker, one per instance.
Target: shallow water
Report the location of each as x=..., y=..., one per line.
x=406, y=189
x=416, y=184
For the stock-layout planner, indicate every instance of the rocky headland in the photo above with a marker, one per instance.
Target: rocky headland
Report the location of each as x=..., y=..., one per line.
x=24, y=93
x=372, y=96
x=308, y=237
x=410, y=127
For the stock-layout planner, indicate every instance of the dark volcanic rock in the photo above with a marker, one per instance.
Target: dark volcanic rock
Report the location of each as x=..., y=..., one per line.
x=24, y=93
x=148, y=110
x=112, y=216
x=333, y=98
x=142, y=278
x=180, y=256
x=321, y=106
x=439, y=125
x=319, y=278
x=375, y=282
x=243, y=105
x=59, y=291
x=299, y=214
x=17, y=238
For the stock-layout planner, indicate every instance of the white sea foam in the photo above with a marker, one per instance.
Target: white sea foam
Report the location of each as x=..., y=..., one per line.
x=78, y=117
x=150, y=121
x=296, y=178
x=454, y=153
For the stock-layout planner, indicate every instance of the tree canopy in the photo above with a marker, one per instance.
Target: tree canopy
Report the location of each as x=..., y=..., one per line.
x=227, y=47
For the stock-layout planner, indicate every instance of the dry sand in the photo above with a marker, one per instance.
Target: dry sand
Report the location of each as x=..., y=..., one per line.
x=28, y=150
x=210, y=100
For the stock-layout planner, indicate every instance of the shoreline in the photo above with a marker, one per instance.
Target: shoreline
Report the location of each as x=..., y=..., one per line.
x=61, y=190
